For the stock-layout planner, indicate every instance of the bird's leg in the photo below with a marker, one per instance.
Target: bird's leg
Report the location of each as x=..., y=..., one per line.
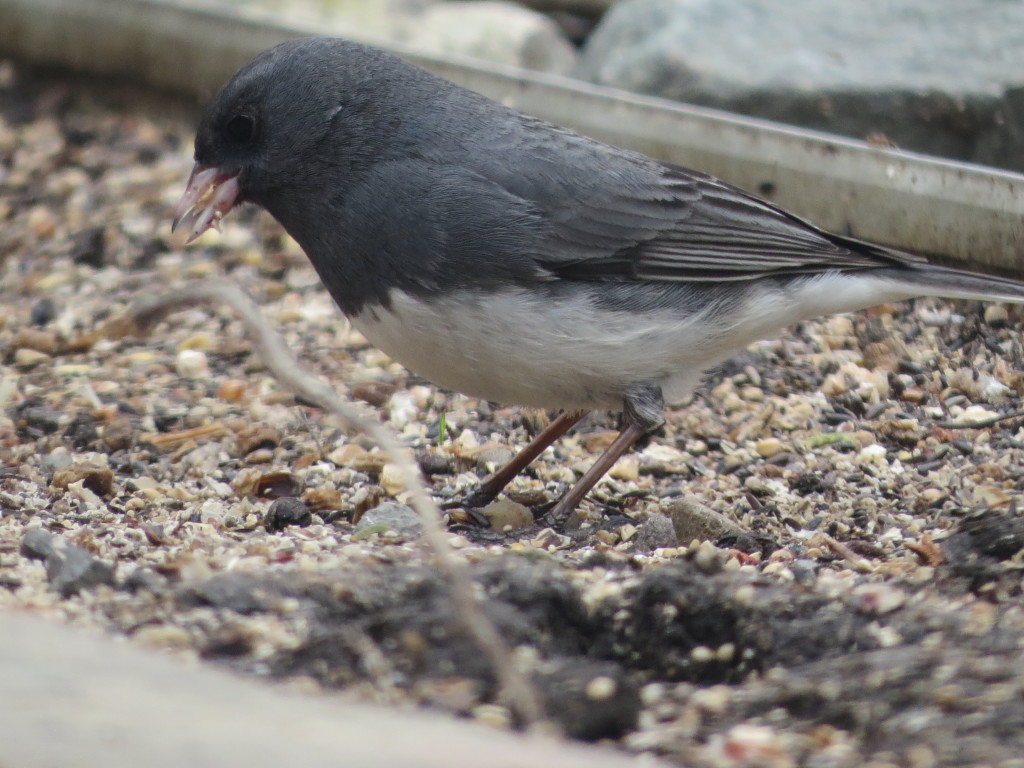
x=643, y=409
x=493, y=484
x=561, y=511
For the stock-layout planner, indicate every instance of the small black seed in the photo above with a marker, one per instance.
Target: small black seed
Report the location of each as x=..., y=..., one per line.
x=81, y=432
x=286, y=511
x=808, y=482
x=89, y=247
x=43, y=312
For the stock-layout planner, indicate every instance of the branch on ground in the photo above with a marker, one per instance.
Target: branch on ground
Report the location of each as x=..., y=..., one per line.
x=516, y=689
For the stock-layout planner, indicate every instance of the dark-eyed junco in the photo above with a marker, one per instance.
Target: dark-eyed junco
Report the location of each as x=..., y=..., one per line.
x=509, y=259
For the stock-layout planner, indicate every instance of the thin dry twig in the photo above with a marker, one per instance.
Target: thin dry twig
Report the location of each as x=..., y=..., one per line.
x=517, y=691
x=857, y=562
x=174, y=439
x=980, y=423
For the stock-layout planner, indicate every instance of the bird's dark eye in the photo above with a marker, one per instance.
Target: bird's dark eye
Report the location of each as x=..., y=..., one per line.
x=241, y=128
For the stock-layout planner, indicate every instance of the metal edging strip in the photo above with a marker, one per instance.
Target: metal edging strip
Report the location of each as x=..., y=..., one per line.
x=965, y=214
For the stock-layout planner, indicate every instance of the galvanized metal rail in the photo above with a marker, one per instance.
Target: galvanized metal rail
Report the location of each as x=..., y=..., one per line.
x=963, y=214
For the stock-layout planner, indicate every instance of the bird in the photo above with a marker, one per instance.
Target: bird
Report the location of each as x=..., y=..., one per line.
x=510, y=259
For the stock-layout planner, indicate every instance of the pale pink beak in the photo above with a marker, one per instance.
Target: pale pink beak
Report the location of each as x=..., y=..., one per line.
x=209, y=195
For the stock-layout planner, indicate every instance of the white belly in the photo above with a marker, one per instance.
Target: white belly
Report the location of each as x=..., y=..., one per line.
x=518, y=348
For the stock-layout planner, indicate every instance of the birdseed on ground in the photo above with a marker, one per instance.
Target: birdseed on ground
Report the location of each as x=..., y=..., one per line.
x=817, y=561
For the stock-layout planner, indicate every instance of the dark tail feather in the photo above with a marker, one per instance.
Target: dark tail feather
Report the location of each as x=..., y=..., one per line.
x=950, y=283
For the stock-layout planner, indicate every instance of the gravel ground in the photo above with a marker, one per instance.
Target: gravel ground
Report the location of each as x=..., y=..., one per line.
x=816, y=562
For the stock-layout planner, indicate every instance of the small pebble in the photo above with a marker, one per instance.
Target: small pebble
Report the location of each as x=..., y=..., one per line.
x=507, y=515
x=255, y=437
x=37, y=544
x=490, y=457
x=600, y=689
x=96, y=478
x=702, y=654
x=435, y=462
x=164, y=637
x=192, y=364
x=390, y=516
x=627, y=468
x=118, y=433
x=391, y=479
x=200, y=341
x=232, y=390
x=709, y=558
x=402, y=409
x=691, y=521
x=42, y=222
x=26, y=359
x=70, y=569
x=493, y=715
x=996, y=315
x=37, y=339
x=768, y=447
x=321, y=499
x=656, y=532
x=56, y=459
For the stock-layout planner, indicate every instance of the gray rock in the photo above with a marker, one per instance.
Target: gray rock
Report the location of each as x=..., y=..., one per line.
x=435, y=462
x=37, y=544
x=692, y=520
x=244, y=593
x=655, y=532
x=143, y=580
x=390, y=516
x=489, y=458
x=804, y=570
x=941, y=76
x=502, y=32
x=361, y=19
x=70, y=569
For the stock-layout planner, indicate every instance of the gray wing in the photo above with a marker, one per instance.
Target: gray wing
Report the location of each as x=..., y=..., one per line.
x=617, y=215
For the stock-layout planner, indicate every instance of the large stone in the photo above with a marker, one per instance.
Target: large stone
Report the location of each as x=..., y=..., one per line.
x=502, y=32
x=493, y=30
x=362, y=19
x=940, y=76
